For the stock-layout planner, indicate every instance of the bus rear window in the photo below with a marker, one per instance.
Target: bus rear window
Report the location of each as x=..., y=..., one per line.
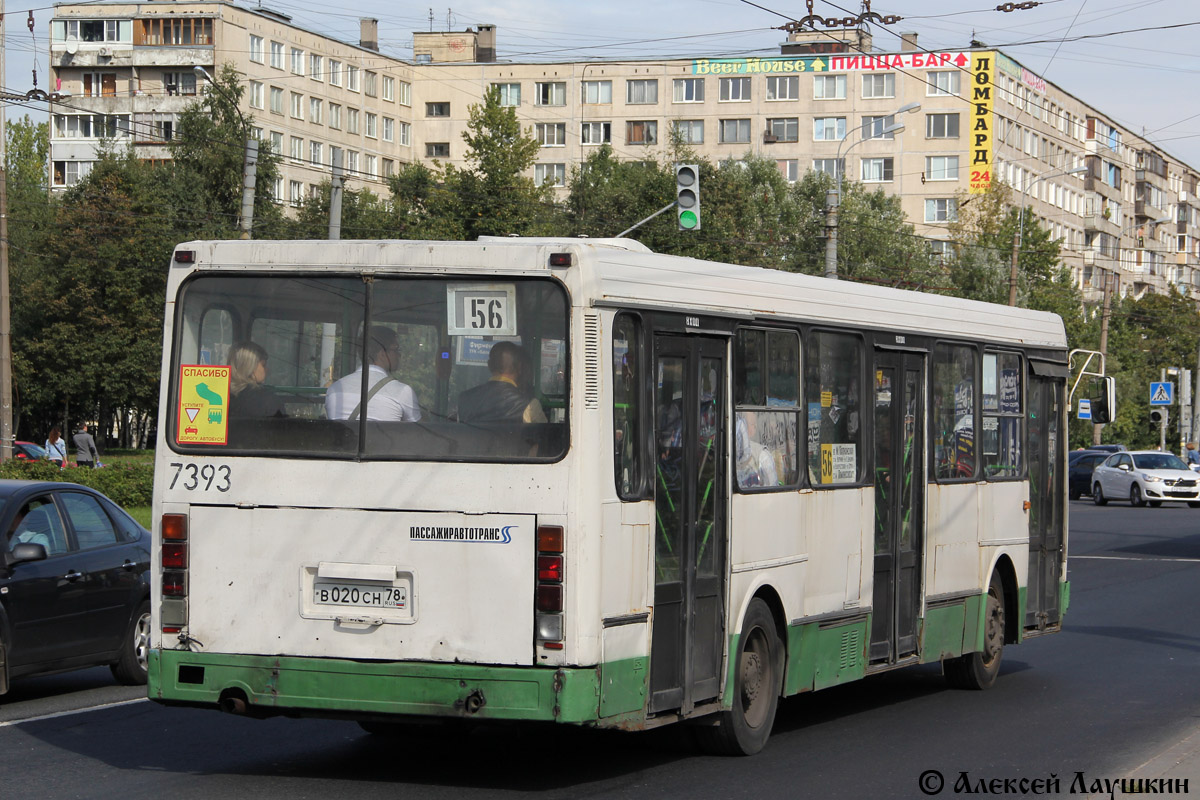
x=392, y=368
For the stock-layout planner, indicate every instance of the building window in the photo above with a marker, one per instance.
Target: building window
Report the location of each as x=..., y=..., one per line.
x=335, y=155
x=295, y=192
x=550, y=134
x=941, y=168
x=389, y=89
x=351, y=78
x=256, y=94
x=69, y=173
x=335, y=73
x=389, y=129
x=297, y=105
x=829, y=87
x=880, y=85
x=351, y=120
x=176, y=83
x=595, y=133
x=405, y=134
x=942, y=83
x=352, y=161
x=160, y=31
x=641, y=132
x=372, y=130
x=940, y=209
x=314, y=67
x=833, y=167
x=297, y=148
x=277, y=143
x=789, y=168
x=104, y=84
x=277, y=99
x=688, y=90
x=785, y=129
x=314, y=110
x=437, y=149
x=783, y=87
x=941, y=126
x=554, y=174
x=597, y=92
x=550, y=94
x=277, y=55
x=314, y=152
x=641, y=92
x=389, y=167
x=510, y=93
x=877, y=170
x=370, y=83
x=735, y=90
x=734, y=131
x=156, y=127
x=405, y=96
x=372, y=167
x=829, y=129
x=873, y=127
x=91, y=126
x=297, y=61
x=437, y=109
x=689, y=131
x=335, y=116
x=256, y=49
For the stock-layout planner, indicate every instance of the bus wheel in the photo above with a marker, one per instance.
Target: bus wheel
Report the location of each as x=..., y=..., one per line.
x=743, y=729
x=979, y=670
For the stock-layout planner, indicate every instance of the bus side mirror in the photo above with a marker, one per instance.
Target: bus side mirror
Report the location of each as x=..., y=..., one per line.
x=1104, y=407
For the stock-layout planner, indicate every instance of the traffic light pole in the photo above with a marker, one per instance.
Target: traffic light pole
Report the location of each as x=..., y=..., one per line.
x=634, y=227
x=1162, y=424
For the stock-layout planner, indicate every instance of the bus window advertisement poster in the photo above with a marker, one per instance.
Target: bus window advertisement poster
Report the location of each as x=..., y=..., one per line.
x=203, y=404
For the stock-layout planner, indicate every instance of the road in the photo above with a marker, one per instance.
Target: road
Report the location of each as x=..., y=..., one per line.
x=1115, y=689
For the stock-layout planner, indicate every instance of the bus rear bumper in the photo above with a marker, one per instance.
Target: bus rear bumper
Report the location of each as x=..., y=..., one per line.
x=296, y=686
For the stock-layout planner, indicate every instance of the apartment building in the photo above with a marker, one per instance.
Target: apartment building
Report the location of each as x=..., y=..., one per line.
x=1126, y=211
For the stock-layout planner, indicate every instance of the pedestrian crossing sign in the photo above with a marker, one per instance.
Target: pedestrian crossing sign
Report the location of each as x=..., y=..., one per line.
x=1162, y=393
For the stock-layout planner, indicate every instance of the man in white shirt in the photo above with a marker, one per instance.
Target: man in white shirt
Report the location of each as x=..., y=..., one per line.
x=388, y=400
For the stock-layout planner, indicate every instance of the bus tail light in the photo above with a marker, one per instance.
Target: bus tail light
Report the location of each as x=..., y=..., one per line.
x=173, y=558
x=548, y=595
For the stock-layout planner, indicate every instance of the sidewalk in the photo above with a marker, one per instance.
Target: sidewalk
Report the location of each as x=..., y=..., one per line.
x=1179, y=762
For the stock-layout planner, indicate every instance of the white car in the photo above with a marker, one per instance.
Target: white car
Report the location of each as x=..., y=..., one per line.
x=1145, y=476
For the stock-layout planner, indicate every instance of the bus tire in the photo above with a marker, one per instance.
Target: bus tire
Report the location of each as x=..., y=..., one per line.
x=744, y=728
x=979, y=670
x=135, y=649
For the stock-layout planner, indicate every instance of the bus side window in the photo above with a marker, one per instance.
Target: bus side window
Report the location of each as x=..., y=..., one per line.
x=628, y=412
x=953, y=415
x=832, y=395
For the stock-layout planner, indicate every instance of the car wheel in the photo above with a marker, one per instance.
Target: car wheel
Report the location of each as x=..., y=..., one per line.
x=135, y=650
x=1074, y=494
x=1135, y=496
x=1098, y=495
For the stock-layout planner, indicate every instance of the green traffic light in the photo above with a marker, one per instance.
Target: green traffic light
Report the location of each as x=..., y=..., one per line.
x=688, y=219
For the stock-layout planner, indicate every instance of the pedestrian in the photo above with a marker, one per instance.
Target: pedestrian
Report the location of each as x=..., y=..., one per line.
x=56, y=446
x=85, y=448
x=1192, y=456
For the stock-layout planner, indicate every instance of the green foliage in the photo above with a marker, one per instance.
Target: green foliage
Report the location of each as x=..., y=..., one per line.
x=126, y=485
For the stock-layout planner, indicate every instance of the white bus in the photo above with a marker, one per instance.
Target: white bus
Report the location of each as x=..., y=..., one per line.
x=709, y=486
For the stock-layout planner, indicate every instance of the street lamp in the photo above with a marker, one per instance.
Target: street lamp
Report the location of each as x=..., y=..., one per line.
x=249, y=162
x=833, y=197
x=1019, y=233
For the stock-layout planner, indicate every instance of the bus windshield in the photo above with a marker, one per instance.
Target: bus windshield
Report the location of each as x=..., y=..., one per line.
x=455, y=368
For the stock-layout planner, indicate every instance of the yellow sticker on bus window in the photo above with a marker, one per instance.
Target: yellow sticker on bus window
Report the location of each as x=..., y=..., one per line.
x=826, y=463
x=826, y=399
x=203, y=404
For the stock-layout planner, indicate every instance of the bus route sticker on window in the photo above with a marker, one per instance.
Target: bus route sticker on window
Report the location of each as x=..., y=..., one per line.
x=481, y=309
x=203, y=404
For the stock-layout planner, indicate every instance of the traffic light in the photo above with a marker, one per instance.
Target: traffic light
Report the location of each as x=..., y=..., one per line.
x=1104, y=407
x=1158, y=416
x=687, y=196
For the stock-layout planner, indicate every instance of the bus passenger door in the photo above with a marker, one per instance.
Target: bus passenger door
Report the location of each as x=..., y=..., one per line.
x=689, y=541
x=1045, y=502
x=899, y=513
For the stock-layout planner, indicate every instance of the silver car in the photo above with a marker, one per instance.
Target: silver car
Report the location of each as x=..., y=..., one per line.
x=1145, y=476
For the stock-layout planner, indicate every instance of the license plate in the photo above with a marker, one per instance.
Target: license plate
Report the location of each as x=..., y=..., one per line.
x=363, y=595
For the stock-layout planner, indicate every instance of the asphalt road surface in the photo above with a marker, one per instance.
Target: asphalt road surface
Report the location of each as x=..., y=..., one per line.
x=1115, y=689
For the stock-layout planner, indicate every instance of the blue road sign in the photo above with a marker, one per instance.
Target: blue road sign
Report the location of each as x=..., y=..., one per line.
x=1085, y=408
x=1162, y=393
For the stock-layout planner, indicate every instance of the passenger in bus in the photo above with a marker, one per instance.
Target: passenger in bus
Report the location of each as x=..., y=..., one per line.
x=506, y=396
x=248, y=397
x=388, y=399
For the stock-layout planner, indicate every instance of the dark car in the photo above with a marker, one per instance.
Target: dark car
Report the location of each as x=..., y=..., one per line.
x=1080, y=464
x=74, y=583
x=1109, y=448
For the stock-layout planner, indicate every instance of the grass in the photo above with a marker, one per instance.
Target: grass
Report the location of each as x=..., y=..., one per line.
x=141, y=514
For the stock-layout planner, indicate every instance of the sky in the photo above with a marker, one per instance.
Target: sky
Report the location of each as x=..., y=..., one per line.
x=1135, y=60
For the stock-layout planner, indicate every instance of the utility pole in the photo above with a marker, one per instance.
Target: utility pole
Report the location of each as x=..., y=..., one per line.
x=1109, y=278
x=335, y=196
x=6, y=382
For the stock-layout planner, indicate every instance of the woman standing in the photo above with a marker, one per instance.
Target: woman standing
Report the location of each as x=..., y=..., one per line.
x=56, y=446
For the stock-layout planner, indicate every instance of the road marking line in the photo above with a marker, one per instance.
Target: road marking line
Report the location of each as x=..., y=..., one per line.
x=1137, y=558
x=7, y=723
